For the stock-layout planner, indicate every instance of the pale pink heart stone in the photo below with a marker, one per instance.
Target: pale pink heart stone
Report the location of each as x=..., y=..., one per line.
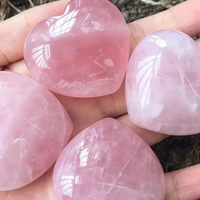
x=34, y=129
x=108, y=161
x=163, y=84
x=82, y=53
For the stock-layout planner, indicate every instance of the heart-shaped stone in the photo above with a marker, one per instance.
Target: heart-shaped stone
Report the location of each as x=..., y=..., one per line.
x=108, y=161
x=163, y=84
x=34, y=128
x=83, y=53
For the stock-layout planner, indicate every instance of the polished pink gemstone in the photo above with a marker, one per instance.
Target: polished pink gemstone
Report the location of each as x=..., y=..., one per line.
x=34, y=129
x=82, y=53
x=108, y=161
x=163, y=84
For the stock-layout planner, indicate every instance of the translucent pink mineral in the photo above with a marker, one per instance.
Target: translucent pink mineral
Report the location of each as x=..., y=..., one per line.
x=163, y=84
x=34, y=129
x=108, y=161
x=82, y=53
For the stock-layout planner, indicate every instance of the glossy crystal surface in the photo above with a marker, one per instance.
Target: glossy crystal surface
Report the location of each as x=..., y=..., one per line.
x=108, y=161
x=82, y=53
x=34, y=129
x=163, y=84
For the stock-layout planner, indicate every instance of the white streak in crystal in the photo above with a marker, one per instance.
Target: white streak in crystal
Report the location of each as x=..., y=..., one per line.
x=121, y=188
x=101, y=66
x=78, y=3
x=88, y=15
x=33, y=124
x=18, y=140
x=96, y=26
x=64, y=24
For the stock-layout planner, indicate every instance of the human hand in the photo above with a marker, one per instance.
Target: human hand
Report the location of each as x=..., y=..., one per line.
x=182, y=184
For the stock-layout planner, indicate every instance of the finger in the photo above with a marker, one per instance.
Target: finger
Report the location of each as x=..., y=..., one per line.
x=177, y=18
x=198, y=42
x=18, y=67
x=3, y=195
x=11, y=46
x=150, y=137
x=183, y=184
x=86, y=111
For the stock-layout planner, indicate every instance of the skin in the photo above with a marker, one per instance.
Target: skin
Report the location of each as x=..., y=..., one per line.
x=183, y=184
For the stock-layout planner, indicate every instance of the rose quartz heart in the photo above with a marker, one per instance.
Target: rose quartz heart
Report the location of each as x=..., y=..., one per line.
x=108, y=161
x=82, y=53
x=163, y=84
x=34, y=129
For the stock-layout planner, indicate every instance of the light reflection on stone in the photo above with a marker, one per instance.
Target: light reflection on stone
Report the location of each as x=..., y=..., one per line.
x=41, y=55
x=63, y=24
x=84, y=157
x=67, y=185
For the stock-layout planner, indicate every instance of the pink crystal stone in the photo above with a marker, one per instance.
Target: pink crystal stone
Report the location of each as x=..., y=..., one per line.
x=108, y=161
x=163, y=84
x=82, y=53
x=34, y=129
